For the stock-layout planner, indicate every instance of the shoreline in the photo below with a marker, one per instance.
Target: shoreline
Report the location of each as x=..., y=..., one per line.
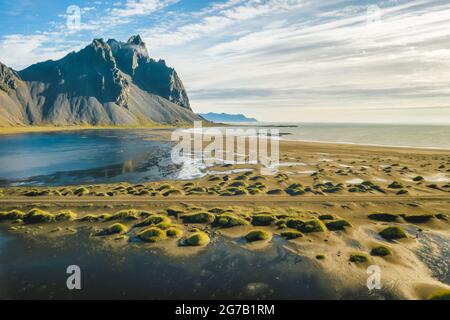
x=4, y=131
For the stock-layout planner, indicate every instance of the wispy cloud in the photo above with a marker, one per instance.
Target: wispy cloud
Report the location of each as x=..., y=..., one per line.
x=284, y=59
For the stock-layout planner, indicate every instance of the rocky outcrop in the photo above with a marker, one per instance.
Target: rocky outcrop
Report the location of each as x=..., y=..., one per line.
x=107, y=83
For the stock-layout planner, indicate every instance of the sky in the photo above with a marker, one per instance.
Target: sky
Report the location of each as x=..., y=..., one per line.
x=276, y=60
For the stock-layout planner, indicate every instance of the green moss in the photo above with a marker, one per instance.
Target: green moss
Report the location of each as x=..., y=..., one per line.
x=338, y=225
x=174, y=212
x=385, y=217
x=238, y=184
x=125, y=215
x=440, y=295
x=227, y=220
x=116, y=228
x=90, y=218
x=165, y=187
x=324, y=217
x=154, y=220
x=380, y=251
x=441, y=216
x=174, y=232
x=291, y=235
x=396, y=185
x=173, y=192
x=258, y=235
x=196, y=239
x=11, y=215
x=37, y=193
x=423, y=218
x=198, y=217
x=81, y=191
x=66, y=215
x=38, y=216
x=152, y=234
x=393, y=233
x=313, y=225
x=275, y=192
x=263, y=220
x=294, y=223
x=164, y=225
x=358, y=258
x=218, y=210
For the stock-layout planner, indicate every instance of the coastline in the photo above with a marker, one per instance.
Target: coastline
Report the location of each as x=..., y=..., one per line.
x=318, y=143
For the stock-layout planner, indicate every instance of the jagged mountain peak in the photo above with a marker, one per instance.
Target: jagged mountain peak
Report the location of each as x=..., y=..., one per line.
x=107, y=82
x=136, y=40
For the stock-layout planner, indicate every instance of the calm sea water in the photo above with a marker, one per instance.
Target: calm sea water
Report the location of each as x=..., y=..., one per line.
x=84, y=157
x=421, y=136
x=107, y=156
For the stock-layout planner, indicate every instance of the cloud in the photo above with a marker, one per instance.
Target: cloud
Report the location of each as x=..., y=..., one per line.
x=141, y=7
x=18, y=50
x=298, y=57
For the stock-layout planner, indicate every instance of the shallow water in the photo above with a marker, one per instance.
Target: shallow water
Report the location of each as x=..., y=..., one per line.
x=84, y=157
x=223, y=270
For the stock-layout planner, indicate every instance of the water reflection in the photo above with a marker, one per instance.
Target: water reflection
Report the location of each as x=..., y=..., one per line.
x=96, y=156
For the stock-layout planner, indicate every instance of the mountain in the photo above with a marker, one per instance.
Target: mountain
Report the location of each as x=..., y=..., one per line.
x=224, y=117
x=106, y=83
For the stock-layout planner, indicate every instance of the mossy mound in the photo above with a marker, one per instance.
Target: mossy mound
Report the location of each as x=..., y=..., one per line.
x=66, y=215
x=227, y=220
x=172, y=192
x=154, y=220
x=90, y=218
x=11, y=215
x=291, y=235
x=258, y=235
x=263, y=220
x=174, y=212
x=338, y=225
x=174, y=232
x=294, y=223
x=198, y=217
x=152, y=234
x=396, y=185
x=275, y=192
x=125, y=215
x=311, y=226
x=441, y=216
x=81, y=191
x=164, y=225
x=380, y=251
x=384, y=217
x=196, y=239
x=325, y=217
x=116, y=228
x=440, y=295
x=393, y=233
x=38, y=216
x=423, y=218
x=358, y=258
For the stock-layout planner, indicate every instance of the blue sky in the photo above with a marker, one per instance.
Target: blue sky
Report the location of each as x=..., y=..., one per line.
x=276, y=60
